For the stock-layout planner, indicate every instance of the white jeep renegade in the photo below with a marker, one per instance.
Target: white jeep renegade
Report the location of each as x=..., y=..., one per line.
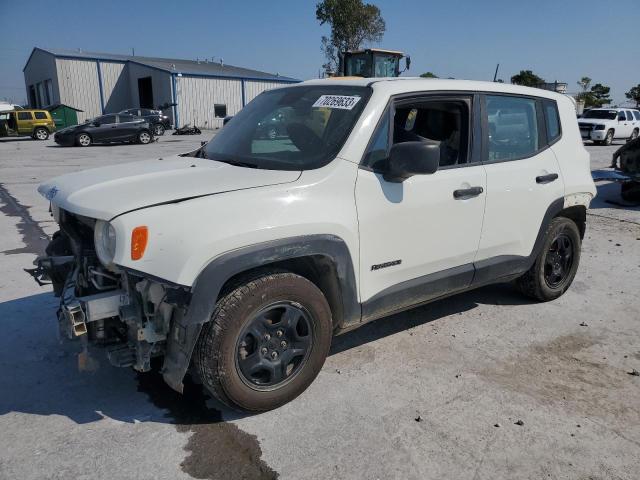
x=242, y=259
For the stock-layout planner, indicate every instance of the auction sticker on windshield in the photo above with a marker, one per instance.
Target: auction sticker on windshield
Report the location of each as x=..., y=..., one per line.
x=344, y=102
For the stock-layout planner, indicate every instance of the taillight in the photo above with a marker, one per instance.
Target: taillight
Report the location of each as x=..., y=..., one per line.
x=139, y=237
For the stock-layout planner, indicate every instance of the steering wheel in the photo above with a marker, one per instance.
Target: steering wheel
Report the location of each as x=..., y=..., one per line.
x=305, y=139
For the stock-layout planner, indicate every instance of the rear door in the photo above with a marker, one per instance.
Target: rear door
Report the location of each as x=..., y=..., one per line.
x=25, y=122
x=523, y=175
x=418, y=238
x=126, y=127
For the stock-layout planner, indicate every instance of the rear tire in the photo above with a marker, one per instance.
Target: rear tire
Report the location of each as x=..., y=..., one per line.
x=266, y=342
x=41, y=133
x=557, y=263
x=83, y=140
x=144, y=137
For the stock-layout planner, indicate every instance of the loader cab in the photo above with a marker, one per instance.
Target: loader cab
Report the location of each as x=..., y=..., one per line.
x=372, y=62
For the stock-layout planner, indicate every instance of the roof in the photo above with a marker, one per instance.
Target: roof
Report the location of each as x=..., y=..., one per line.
x=53, y=106
x=398, y=85
x=172, y=65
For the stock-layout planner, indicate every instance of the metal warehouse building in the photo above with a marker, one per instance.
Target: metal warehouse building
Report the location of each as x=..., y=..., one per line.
x=204, y=92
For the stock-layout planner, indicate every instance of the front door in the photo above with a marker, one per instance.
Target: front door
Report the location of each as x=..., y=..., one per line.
x=106, y=129
x=418, y=238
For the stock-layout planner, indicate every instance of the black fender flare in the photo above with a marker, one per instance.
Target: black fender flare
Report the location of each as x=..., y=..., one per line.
x=207, y=287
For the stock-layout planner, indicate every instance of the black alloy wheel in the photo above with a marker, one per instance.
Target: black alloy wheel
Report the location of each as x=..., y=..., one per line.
x=274, y=345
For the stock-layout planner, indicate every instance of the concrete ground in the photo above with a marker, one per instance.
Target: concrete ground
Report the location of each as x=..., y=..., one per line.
x=484, y=385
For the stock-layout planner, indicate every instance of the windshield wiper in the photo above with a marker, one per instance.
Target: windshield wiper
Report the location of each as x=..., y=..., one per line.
x=236, y=163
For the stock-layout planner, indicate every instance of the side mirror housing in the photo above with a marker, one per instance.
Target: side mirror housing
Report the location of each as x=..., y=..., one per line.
x=407, y=61
x=95, y=124
x=412, y=158
x=226, y=120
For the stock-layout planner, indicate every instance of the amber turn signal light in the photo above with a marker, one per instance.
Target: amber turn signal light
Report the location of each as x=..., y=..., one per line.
x=139, y=238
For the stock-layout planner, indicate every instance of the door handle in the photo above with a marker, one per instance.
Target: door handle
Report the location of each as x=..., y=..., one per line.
x=547, y=178
x=465, y=193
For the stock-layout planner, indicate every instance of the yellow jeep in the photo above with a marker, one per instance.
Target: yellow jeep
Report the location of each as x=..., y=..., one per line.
x=37, y=124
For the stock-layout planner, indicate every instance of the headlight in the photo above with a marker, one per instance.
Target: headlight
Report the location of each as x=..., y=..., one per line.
x=104, y=237
x=599, y=127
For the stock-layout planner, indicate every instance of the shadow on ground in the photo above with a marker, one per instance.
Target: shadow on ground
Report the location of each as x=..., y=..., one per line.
x=609, y=197
x=39, y=373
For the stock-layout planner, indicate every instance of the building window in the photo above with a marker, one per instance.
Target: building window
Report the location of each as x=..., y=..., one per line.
x=220, y=110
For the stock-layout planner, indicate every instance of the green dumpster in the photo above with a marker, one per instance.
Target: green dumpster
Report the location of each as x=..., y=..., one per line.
x=63, y=115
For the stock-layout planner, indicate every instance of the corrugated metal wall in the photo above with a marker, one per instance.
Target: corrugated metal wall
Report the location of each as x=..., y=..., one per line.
x=115, y=86
x=78, y=80
x=196, y=97
x=254, y=88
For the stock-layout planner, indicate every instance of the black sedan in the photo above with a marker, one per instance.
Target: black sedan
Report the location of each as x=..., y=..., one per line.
x=158, y=121
x=106, y=129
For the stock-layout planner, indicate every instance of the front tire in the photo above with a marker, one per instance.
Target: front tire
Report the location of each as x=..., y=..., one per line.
x=608, y=140
x=41, y=133
x=83, y=140
x=158, y=130
x=266, y=342
x=556, y=264
x=144, y=137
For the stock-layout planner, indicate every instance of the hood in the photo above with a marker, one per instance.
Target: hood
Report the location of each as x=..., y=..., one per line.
x=594, y=121
x=107, y=192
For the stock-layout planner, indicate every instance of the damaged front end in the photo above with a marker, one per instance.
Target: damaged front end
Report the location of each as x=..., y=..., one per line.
x=124, y=312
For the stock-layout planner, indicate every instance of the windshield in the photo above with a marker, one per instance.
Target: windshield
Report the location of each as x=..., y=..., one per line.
x=386, y=65
x=294, y=128
x=601, y=114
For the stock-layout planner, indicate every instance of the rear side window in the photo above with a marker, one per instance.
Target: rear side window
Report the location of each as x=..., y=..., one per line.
x=636, y=114
x=629, y=116
x=552, y=120
x=41, y=115
x=513, y=127
x=24, y=116
x=125, y=118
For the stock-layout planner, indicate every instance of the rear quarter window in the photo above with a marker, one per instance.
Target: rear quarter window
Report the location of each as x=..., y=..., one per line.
x=552, y=119
x=41, y=115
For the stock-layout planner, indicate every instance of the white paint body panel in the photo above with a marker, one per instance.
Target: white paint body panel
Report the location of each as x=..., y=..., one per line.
x=106, y=192
x=418, y=222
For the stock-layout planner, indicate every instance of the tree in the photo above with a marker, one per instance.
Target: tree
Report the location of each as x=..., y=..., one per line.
x=598, y=96
x=429, y=75
x=352, y=24
x=634, y=94
x=584, y=84
x=527, y=78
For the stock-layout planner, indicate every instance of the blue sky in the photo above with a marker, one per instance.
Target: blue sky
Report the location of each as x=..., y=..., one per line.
x=559, y=40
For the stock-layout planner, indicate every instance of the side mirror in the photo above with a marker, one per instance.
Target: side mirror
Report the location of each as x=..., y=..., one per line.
x=95, y=124
x=412, y=158
x=407, y=62
x=226, y=120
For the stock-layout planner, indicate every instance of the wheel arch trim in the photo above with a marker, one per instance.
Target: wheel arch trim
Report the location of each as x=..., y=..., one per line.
x=211, y=280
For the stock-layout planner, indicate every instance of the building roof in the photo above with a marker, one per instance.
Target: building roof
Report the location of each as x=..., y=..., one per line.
x=172, y=65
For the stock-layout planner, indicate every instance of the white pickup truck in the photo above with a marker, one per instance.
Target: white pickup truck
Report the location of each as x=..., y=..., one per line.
x=604, y=125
